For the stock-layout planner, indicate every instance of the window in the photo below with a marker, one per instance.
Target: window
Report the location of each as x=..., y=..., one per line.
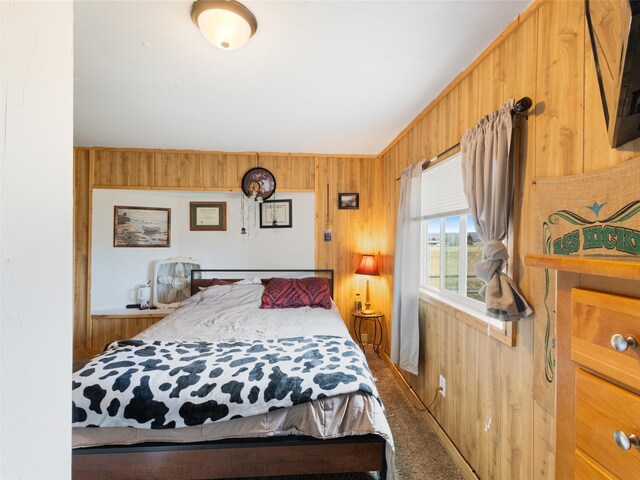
x=451, y=245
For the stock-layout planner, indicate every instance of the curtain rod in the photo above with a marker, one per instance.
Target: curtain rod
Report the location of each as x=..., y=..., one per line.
x=518, y=109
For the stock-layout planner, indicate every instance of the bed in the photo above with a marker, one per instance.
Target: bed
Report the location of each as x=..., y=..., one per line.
x=312, y=406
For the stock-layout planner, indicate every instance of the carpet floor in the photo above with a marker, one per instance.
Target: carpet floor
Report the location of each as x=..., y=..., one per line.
x=419, y=454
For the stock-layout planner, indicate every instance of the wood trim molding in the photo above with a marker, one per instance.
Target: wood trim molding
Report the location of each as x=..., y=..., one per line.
x=191, y=189
x=217, y=152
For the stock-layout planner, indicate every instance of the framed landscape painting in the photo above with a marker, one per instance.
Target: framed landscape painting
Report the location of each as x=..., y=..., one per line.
x=141, y=227
x=348, y=201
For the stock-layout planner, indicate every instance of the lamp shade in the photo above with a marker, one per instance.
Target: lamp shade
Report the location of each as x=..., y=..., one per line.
x=368, y=266
x=225, y=23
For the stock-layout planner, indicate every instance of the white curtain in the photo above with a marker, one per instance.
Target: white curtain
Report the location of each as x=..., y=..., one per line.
x=405, y=340
x=488, y=186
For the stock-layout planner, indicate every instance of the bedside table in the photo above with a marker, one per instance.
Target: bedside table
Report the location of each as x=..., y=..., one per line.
x=358, y=318
x=121, y=324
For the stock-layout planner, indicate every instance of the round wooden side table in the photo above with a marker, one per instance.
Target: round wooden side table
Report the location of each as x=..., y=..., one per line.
x=358, y=318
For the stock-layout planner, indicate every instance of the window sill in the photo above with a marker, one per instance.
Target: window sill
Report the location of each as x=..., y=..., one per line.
x=504, y=332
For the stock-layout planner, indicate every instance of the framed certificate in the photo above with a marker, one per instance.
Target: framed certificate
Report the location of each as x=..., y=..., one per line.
x=275, y=214
x=208, y=216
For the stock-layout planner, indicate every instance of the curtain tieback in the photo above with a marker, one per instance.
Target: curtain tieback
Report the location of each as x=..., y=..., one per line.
x=493, y=254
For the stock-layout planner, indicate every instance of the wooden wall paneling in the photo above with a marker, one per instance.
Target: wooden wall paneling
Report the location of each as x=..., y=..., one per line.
x=432, y=121
x=280, y=164
x=303, y=173
x=520, y=81
x=391, y=170
x=420, y=132
x=542, y=56
x=451, y=132
x=353, y=230
x=544, y=443
x=378, y=225
x=469, y=427
x=468, y=115
x=325, y=191
x=365, y=233
x=81, y=193
x=432, y=351
x=232, y=168
x=212, y=172
x=178, y=169
x=489, y=420
x=445, y=327
x=454, y=378
x=424, y=351
x=414, y=141
x=559, y=129
x=491, y=82
x=112, y=329
x=134, y=168
x=87, y=315
x=517, y=363
x=516, y=372
x=114, y=167
x=104, y=167
x=343, y=232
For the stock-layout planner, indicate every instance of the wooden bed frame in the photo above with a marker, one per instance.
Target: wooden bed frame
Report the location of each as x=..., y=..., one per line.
x=232, y=458
x=251, y=457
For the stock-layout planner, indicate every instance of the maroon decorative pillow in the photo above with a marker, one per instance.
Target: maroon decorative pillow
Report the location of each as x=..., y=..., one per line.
x=297, y=292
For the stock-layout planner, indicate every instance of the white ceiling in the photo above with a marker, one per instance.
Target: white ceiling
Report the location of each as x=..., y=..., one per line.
x=318, y=76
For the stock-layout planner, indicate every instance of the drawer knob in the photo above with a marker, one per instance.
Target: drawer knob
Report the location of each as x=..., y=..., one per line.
x=625, y=442
x=621, y=343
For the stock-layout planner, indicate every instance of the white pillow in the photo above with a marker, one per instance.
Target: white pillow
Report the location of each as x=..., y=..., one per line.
x=250, y=281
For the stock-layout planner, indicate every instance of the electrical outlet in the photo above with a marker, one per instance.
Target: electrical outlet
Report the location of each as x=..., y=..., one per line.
x=443, y=386
x=365, y=338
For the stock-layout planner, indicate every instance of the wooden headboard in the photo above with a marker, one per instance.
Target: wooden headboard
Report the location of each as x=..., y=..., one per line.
x=202, y=278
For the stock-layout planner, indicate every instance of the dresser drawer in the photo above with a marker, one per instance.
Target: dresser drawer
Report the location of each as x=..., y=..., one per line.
x=586, y=469
x=601, y=409
x=595, y=318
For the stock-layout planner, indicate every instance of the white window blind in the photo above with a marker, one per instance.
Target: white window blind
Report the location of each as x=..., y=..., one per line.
x=442, y=191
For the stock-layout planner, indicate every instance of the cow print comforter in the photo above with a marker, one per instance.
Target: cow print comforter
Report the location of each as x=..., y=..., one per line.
x=177, y=384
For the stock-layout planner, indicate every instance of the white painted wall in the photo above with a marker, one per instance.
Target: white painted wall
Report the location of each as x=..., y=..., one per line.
x=115, y=272
x=36, y=188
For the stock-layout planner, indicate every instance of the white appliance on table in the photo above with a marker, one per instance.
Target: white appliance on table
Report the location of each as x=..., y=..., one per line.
x=172, y=280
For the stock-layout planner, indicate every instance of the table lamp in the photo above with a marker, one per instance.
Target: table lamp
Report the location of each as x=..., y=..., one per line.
x=368, y=266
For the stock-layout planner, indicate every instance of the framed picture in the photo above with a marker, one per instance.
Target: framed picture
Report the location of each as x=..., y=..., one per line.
x=208, y=216
x=141, y=227
x=349, y=201
x=275, y=214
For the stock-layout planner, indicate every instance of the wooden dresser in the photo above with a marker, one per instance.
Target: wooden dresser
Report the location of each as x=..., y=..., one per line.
x=597, y=367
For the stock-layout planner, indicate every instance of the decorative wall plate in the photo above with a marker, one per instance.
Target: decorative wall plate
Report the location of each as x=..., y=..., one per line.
x=258, y=183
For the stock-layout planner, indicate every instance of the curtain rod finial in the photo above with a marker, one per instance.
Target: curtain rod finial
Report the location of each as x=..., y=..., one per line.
x=522, y=105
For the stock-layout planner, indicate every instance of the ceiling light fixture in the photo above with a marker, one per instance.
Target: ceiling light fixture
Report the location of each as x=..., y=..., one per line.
x=225, y=23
